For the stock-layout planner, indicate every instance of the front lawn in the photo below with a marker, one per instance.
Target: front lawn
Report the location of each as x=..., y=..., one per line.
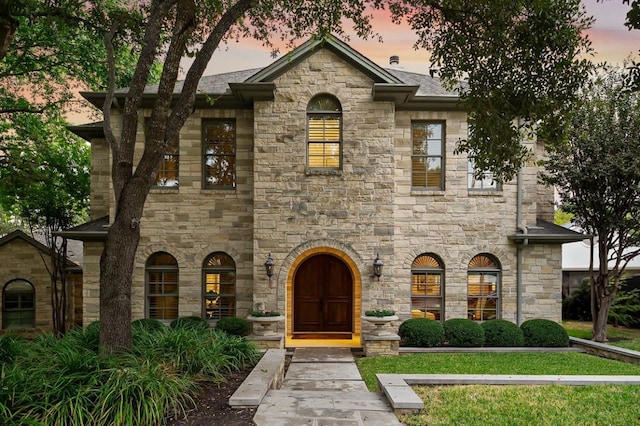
x=513, y=405
x=623, y=337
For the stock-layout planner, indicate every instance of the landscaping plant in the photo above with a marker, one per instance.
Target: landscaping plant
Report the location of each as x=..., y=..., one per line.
x=421, y=332
x=544, y=333
x=234, y=326
x=502, y=333
x=64, y=381
x=463, y=332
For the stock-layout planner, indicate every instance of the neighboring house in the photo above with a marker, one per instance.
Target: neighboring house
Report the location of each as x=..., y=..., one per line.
x=26, y=285
x=575, y=265
x=324, y=162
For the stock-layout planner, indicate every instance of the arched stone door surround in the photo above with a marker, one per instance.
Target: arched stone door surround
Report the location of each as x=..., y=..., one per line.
x=306, y=254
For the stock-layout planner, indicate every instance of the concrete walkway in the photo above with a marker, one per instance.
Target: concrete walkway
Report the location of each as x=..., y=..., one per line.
x=323, y=387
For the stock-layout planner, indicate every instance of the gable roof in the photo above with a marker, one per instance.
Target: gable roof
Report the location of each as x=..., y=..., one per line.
x=20, y=235
x=239, y=89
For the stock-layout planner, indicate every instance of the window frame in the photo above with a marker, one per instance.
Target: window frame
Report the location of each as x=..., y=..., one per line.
x=221, y=269
x=20, y=310
x=495, y=185
x=324, y=112
x=164, y=296
x=418, y=270
x=494, y=295
x=205, y=123
x=427, y=156
x=163, y=161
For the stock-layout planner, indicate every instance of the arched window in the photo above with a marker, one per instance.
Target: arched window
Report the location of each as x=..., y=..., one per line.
x=324, y=133
x=18, y=305
x=483, y=288
x=427, y=287
x=162, y=286
x=219, y=286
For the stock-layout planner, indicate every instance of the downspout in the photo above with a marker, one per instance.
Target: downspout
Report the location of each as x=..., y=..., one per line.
x=520, y=246
x=519, y=249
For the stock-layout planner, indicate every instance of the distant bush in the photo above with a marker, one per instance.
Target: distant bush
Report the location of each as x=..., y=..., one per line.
x=190, y=323
x=544, y=333
x=421, y=332
x=234, y=326
x=502, y=333
x=463, y=332
x=148, y=324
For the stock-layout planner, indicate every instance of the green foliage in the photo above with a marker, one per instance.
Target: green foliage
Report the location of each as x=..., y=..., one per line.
x=502, y=333
x=560, y=217
x=189, y=323
x=62, y=381
x=147, y=324
x=234, y=326
x=421, y=332
x=463, y=332
x=597, y=175
x=577, y=306
x=379, y=313
x=624, y=311
x=517, y=66
x=10, y=348
x=542, y=332
x=264, y=314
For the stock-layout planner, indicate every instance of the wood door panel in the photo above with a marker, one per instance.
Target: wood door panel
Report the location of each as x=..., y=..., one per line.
x=323, y=296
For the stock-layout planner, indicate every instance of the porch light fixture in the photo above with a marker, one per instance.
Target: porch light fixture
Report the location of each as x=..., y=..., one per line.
x=377, y=266
x=268, y=265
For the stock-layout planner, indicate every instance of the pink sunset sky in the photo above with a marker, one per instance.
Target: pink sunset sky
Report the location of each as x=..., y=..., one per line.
x=611, y=41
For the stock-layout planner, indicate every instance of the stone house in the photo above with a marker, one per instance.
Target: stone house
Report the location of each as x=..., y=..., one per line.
x=324, y=163
x=25, y=285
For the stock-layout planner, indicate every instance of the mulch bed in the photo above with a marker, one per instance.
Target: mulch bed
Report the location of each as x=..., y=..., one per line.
x=212, y=405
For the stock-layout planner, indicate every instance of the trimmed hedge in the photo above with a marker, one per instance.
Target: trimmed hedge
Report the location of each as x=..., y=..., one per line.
x=190, y=323
x=502, y=333
x=544, y=333
x=421, y=332
x=234, y=326
x=463, y=332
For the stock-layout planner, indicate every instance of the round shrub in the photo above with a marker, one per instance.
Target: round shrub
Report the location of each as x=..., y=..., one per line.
x=189, y=323
x=502, y=333
x=544, y=333
x=234, y=326
x=148, y=324
x=463, y=332
x=421, y=332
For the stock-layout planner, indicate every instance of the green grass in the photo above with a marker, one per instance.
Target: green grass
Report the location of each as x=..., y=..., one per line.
x=513, y=405
x=628, y=338
x=492, y=363
x=526, y=405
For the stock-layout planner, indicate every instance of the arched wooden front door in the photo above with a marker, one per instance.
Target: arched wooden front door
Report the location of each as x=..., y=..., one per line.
x=323, y=296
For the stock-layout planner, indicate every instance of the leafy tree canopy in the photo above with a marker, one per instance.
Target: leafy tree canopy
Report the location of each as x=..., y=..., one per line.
x=597, y=175
x=515, y=64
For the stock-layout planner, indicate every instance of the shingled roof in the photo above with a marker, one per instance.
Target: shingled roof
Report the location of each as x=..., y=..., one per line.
x=240, y=88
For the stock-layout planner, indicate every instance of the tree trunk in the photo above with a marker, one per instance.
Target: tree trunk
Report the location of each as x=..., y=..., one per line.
x=600, y=324
x=116, y=271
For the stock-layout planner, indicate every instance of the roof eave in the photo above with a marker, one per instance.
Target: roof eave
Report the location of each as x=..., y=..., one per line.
x=545, y=239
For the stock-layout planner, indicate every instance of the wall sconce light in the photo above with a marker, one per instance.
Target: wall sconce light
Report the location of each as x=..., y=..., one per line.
x=268, y=265
x=377, y=267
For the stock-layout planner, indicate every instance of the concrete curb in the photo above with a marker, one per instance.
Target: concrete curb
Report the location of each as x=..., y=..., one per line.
x=403, y=399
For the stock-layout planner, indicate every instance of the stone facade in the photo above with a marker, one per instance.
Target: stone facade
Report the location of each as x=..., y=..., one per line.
x=366, y=208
